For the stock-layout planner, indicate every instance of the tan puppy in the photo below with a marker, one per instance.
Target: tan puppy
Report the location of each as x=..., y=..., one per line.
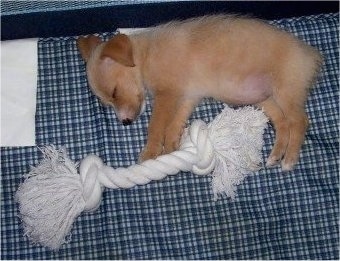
x=232, y=59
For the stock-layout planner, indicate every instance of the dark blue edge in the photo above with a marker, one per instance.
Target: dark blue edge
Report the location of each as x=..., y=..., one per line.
x=107, y=19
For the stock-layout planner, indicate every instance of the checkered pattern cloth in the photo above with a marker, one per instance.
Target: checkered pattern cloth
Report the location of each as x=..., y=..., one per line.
x=274, y=216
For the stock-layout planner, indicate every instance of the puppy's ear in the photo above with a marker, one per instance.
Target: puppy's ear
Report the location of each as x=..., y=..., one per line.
x=87, y=44
x=119, y=49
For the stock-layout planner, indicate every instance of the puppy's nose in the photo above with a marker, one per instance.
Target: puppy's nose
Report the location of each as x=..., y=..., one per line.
x=126, y=121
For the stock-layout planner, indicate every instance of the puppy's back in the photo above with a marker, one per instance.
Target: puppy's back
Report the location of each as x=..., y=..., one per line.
x=233, y=46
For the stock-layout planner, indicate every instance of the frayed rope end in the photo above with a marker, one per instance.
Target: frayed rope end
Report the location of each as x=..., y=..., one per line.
x=237, y=137
x=50, y=199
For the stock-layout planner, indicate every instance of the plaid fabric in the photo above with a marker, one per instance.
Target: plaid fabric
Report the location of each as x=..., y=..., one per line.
x=274, y=216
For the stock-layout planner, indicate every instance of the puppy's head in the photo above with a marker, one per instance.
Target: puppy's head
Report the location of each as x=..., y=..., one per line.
x=113, y=75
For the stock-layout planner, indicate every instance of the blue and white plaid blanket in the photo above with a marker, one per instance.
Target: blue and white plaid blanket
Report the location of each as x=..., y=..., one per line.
x=274, y=216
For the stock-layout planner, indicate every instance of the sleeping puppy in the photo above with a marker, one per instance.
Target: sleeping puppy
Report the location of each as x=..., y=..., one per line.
x=233, y=59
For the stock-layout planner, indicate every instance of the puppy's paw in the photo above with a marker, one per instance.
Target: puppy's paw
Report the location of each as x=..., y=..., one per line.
x=172, y=140
x=149, y=152
x=276, y=155
x=171, y=144
x=288, y=163
x=272, y=161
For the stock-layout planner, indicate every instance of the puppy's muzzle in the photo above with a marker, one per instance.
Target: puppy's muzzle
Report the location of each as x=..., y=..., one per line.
x=127, y=121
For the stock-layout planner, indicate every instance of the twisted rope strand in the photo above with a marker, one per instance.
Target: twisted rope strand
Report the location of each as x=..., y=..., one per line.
x=196, y=154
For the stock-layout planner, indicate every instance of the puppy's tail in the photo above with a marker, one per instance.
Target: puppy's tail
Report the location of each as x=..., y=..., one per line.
x=313, y=62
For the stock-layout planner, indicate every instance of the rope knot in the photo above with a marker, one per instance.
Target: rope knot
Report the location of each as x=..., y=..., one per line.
x=198, y=137
x=92, y=189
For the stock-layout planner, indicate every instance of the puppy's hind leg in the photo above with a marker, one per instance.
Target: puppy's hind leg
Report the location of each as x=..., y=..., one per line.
x=278, y=119
x=292, y=86
x=298, y=124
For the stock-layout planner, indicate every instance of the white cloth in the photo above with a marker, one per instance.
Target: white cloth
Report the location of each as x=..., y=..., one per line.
x=129, y=30
x=19, y=70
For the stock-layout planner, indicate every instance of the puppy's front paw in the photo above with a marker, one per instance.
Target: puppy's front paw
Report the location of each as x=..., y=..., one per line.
x=171, y=144
x=149, y=152
x=172, y=140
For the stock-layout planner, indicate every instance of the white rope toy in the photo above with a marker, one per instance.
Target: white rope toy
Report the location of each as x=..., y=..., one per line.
x=53, y=194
